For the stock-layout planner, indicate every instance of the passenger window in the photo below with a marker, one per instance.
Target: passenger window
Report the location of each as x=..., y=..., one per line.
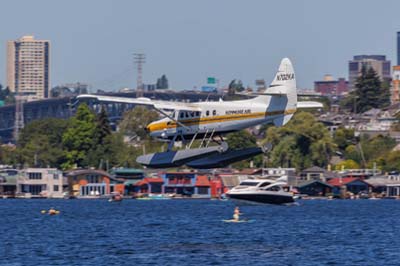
x=197, y=114
x=187, y=114
x=214, y=112
x=207, y=113
x=181, y=115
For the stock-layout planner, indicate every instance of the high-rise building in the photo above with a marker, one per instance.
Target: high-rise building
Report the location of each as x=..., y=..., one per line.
x=377, y=62
x=28, y=62
x=395, y=90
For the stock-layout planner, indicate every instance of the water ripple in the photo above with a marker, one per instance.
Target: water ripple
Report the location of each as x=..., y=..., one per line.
x=183, y=232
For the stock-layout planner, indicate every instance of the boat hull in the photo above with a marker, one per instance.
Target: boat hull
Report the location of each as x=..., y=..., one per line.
x=268, y=198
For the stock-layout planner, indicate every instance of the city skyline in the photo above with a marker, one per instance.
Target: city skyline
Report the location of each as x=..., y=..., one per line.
x=94, y=41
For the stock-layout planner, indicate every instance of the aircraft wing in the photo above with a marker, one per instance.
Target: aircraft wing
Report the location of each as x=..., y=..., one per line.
x=158, y=105
x=309, y=105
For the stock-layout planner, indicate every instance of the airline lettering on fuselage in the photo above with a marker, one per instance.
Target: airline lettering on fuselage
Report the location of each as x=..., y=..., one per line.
x=285, y=76
x=234, y=112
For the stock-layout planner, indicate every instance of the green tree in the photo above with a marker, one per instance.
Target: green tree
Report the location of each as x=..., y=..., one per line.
x=353, y=153
x=301, y=143
x=101, y=152
x=373, y=148
x=344, y=137
x=134, y=122
x=40, y=143
x=235, y=86
x=369, y=93
x=347, y=164
x=103, y=129
x=6, y=95
x=392, y=161
x=8, y=155
x=241, y=140
x=79, y=139
x=367, y=151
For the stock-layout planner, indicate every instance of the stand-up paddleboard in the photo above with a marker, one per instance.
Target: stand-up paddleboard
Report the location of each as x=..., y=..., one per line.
x=237, y=221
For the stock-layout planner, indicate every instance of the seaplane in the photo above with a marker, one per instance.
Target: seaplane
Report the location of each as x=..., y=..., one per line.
x=209, y=121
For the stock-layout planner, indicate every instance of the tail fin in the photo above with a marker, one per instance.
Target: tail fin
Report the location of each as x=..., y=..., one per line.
x=285, y=80
x=283, y=92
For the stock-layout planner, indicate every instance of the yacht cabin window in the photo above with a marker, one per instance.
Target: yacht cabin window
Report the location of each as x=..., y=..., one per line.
x=248, y=184
x=274, y=188
x=265, y=184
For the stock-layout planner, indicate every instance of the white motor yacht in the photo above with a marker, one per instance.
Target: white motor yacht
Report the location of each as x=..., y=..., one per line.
x=261, y=191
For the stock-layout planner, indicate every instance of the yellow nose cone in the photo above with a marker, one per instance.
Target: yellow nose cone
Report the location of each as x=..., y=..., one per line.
x=156, y=126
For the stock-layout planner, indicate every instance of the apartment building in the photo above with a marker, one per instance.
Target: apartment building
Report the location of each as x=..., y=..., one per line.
x=28, y=67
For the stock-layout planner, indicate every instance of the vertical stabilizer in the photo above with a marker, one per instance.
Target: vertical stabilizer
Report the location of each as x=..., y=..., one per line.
x=284, y=77
x=284, y=85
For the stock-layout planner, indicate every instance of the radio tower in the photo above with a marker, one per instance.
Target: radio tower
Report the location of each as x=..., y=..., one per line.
x=139, y=60
x=19, y=115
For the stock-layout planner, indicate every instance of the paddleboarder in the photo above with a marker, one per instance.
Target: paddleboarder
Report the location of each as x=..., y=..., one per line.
x=236, y=214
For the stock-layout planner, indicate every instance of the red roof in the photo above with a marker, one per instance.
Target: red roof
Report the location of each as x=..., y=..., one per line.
x=148, y=180
x=154, y=180
x=202, y=181
x=337, y=182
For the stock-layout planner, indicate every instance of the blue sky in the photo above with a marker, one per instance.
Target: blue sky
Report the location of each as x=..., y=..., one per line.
x=93, y=40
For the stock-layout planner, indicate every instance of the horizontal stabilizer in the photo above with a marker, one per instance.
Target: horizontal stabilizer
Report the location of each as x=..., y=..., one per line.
x=301, y=105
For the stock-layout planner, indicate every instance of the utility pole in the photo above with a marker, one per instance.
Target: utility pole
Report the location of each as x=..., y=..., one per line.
x=139, y=60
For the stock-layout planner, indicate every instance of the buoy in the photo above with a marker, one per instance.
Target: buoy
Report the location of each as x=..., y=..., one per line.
x=43, y=212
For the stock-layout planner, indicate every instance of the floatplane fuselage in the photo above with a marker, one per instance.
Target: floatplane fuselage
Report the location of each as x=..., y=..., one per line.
x=220, y=118
x=208, y=120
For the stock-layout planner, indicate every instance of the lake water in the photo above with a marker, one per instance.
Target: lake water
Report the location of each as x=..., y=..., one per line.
x=191, y=232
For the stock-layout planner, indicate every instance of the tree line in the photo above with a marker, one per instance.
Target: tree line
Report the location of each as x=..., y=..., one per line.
x=86, y=140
